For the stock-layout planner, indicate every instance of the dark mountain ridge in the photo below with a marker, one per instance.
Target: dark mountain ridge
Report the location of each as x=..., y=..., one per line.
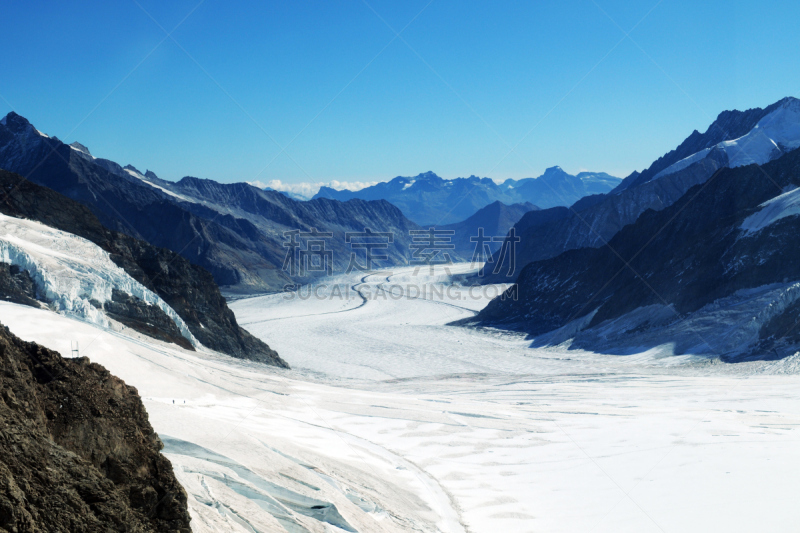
x=729, y=125
x=495, y=220
x=235, y=231
x=593, y=220
x=712, y=252
x=188, y=289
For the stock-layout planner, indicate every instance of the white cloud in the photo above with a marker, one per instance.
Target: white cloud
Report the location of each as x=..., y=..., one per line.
x=307, y=190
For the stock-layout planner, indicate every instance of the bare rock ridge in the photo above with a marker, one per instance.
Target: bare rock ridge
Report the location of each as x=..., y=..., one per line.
x=77, y=452
x=189, y=289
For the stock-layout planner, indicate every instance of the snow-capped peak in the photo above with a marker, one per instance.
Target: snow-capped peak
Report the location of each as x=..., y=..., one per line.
x=80, y=148
x=774, y=134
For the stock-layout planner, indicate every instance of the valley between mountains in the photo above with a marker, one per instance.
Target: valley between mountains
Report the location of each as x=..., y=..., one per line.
x=592, y=354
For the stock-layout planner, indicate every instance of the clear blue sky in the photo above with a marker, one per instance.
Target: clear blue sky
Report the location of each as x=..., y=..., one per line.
x=480, y=77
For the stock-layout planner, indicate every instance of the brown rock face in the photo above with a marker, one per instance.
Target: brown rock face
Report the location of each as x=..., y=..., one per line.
x=77, y=452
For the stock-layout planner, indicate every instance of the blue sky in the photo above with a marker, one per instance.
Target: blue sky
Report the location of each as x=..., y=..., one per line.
x=464, y=84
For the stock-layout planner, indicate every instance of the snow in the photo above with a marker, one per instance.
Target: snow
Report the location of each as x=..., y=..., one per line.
x=729, y=326
x=393, y=421
x=70, y=271
x=782, y=206
x=409, y=184
x=138, y=176
x=81, y=150
x=774, y=134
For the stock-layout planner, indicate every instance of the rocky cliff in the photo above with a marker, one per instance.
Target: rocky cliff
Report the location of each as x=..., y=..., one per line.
x=77, y=453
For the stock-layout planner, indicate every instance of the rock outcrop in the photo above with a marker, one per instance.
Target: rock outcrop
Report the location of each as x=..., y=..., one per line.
x=77, y=453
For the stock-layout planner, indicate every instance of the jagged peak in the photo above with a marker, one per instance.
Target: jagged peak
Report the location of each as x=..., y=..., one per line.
x=424, y=176
x=728, y=114
x=149, y=174
x=788, y=101
x=553, y=171
x=13, y=117
x=81, y=148
x=16, y=123
x=429, y=175
x=132, y=168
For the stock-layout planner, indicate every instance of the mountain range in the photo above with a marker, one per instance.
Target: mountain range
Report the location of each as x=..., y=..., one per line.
x=40, y=273
x=235, y=231
x=592, y=221
x=238, y=232
x=713, y=271
x=428, y=199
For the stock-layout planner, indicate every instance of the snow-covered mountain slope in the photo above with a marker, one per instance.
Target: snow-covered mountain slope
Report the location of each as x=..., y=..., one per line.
x=72, y=274
x=775, y=134
x=773, y=210
x=186, y=288
x=715, y=273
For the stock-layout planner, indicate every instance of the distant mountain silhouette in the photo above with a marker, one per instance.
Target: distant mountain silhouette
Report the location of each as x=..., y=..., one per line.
x=428, y=199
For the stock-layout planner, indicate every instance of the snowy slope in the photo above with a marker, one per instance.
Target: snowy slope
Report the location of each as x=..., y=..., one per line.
x=785, y=205
x=70, y=271
x=775, y=134
x=143, y=179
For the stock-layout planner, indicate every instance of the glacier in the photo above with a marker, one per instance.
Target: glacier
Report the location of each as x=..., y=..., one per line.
x=70, y=271
x=392, y=421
